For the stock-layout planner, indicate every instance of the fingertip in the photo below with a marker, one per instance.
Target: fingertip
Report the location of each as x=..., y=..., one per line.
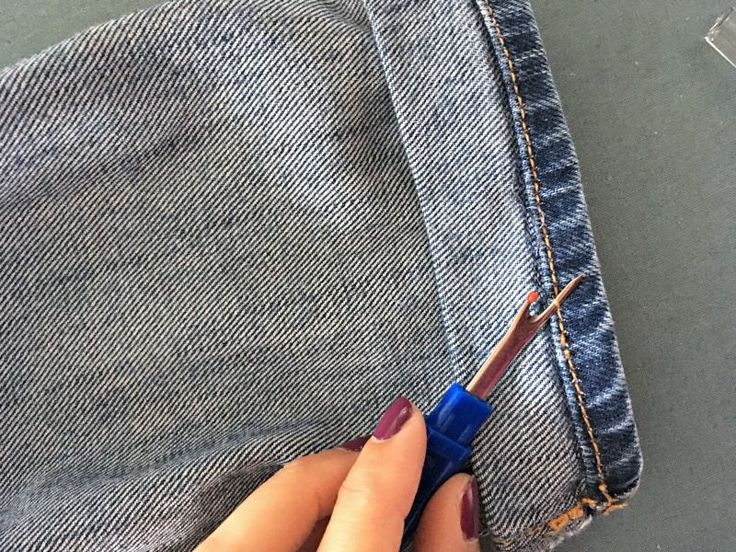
x=470, y=511
x=394, y=418
x=451, y=519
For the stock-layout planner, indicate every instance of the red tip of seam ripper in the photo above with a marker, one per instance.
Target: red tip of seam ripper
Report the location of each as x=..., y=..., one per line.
x=522, y=330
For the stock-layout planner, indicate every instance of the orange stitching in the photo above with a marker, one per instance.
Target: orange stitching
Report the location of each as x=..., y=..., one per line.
x=614, y=507
x=564, y=519
x=537, y=183
x=574, y=513
x=552, y=527
x=556, y=525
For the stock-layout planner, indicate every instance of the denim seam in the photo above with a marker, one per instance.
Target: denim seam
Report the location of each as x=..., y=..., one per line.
x=565, y=344
x=553, y=528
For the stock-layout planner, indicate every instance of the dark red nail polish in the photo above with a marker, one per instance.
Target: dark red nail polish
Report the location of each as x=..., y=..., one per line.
x=355, y=445
x=470, y=511
x=393, y=419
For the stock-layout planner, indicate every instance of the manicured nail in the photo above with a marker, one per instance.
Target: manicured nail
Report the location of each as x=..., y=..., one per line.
x=393, y=419
x=470, y=511
x=355, y=445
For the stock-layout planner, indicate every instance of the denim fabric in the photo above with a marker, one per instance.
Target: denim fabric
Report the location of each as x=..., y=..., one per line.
x=231, y=232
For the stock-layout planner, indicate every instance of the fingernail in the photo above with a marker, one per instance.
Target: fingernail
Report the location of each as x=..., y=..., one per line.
x=355, y=445
x=470, y=511
x=393, y=419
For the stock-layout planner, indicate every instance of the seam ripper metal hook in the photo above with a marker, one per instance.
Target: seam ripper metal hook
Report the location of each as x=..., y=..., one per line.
x=522, y=330
x=460, y=413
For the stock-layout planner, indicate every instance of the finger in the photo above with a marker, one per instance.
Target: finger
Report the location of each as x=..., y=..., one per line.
x=315, y=537
x=281, y=513
x=376, y=496
x=451, y=520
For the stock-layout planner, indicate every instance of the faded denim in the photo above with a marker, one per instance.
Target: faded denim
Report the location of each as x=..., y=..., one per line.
x=231, y=232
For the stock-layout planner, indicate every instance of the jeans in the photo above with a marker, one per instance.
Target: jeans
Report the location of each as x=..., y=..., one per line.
x=232, y=231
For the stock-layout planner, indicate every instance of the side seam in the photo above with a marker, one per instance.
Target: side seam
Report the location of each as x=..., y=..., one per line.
x=611, y=503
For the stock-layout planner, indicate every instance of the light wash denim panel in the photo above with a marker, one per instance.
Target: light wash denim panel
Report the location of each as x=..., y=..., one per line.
x=232, y=231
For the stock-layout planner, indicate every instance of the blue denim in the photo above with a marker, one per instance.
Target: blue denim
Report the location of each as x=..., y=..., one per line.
x=232, y=231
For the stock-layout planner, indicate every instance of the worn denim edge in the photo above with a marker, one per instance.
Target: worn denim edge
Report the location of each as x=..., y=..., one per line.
x=548, y=157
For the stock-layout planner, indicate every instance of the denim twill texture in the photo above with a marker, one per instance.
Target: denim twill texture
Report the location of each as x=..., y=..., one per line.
x=231, y=232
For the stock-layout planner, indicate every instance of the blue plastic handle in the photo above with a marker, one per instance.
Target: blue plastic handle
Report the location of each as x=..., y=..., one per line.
x=451, y=427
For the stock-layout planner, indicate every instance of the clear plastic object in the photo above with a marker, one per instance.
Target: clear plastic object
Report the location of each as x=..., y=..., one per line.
x=722, y=36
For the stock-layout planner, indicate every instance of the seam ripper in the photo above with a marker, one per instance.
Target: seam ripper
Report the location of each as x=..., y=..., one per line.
x=460, y=413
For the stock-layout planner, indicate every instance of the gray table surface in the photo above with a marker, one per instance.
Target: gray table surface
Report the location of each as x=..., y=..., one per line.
x=653, y=113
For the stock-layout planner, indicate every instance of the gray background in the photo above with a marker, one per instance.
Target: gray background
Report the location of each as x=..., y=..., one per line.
x=653, y=113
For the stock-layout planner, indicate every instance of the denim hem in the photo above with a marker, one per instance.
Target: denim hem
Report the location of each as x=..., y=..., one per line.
x=231, y=209
x=587, y=351
x=453, y=107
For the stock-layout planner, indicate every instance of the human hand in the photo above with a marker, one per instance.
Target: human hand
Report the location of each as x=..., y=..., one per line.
x=355, y=498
